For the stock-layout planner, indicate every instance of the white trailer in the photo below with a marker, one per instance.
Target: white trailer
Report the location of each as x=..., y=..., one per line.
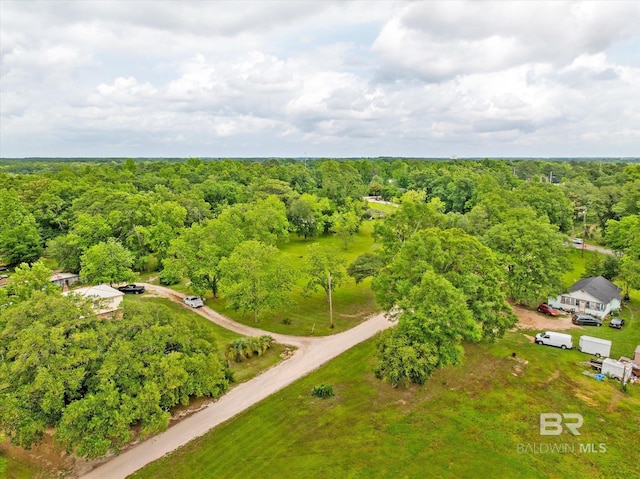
x=616, y=369
x=596, y=346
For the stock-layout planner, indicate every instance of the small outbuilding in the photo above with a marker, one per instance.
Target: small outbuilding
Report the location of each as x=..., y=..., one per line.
x=596, y=296
x=636, y=357
x=65, y=279
x=105, y=298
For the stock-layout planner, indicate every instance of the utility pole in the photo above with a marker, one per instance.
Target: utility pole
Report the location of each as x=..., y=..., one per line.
x=584, y=230
x=330, y=302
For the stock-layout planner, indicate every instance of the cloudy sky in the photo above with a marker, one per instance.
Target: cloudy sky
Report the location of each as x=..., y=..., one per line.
x=334, y=79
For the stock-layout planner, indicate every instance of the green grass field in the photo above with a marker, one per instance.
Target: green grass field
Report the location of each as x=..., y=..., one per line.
x=473, y=420
x=351, y=303
x=479, y=419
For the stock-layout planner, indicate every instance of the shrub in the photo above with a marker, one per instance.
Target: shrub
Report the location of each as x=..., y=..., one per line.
x=323, y=391
x=169, y=276
x=244, y=348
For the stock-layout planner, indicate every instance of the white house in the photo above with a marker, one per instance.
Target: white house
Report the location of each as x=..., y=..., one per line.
x=596, y=296
x=105, y=298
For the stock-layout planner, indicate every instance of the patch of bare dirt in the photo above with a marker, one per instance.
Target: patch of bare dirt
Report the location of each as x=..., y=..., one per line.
x=586, y=399
x=528, y=319
x=555, y=375
x=52, y=460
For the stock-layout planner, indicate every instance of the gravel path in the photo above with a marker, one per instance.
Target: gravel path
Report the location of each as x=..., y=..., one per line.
x=312, y=352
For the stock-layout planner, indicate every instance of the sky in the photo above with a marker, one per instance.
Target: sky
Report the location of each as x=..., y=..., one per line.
x=319, y=79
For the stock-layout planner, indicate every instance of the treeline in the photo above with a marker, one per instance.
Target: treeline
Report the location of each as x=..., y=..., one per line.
x=182, y=218
x=91, y=380
x=485, y=230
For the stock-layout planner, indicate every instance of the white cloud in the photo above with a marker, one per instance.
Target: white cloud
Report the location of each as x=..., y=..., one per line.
x=325, y=78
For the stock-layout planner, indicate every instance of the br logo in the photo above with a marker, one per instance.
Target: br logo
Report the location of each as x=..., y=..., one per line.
x=551, y=423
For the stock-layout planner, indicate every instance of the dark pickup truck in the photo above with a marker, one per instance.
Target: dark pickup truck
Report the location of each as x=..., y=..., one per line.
x=131, y=289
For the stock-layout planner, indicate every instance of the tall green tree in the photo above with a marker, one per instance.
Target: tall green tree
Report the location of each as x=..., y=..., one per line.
x=464, y=262
x=308, y=215
x=533, y=254
x=411, y=216
x=340, y=181
x=324, y=270
x=27, y=280
x=87, y=230
x=107, y=262
x=433, y=320
x=197, y=254
x=20, y=240
x=265, y=220
x=256, y=279
x=548, y=200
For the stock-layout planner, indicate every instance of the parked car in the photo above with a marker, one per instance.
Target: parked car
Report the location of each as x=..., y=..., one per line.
x=544, y=308
x=616, y=323
x=551, y=338
x=132, y=289
x=585, y=320
x=194, y=301
x=577, y=241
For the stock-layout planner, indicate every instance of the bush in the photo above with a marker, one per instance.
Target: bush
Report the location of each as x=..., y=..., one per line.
x=169, y=276
x=244, y=348
x=323, y=391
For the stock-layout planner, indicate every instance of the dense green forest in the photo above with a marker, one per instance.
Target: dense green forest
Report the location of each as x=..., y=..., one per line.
x=461, y=238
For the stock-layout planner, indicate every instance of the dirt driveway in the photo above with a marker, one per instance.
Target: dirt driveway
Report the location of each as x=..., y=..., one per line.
x=528, y=319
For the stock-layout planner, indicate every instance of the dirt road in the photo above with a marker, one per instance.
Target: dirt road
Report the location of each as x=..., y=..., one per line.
x=312, y=352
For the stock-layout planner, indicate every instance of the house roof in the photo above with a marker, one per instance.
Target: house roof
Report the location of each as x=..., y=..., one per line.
x=598, y=287
x=100, y=291
x=59, y=276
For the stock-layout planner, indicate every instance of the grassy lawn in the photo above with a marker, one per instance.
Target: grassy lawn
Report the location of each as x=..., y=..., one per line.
x=11, y=468
x=467, y=421
x=479, y=419
x=310, y=315
x=576, y=265
x=382, y=208
x=351, y=303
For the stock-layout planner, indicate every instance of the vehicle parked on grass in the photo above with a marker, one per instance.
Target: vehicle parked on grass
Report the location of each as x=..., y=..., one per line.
x=585, y=320
x=616, y=323
x=596, y=346
x=194, y=301
x=131, y=289
x=544, y=308
x=551, y=338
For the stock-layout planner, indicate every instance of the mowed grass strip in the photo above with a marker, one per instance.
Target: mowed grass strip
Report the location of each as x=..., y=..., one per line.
x=479, y=419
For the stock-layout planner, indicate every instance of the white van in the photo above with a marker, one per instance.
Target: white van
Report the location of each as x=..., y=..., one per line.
x=551, y=338
x=596, y=346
